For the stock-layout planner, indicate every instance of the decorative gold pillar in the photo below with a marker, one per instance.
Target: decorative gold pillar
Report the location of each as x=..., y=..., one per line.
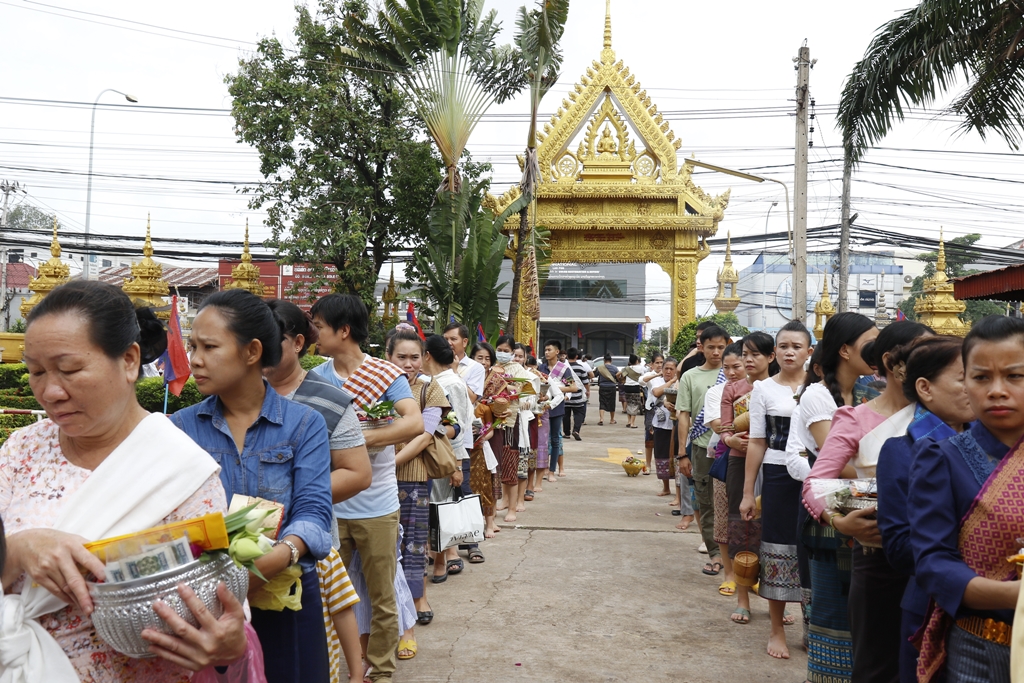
x=246, y=275
x=823, y=310
x=52, y=274
x=937, y=307
x=145, y=286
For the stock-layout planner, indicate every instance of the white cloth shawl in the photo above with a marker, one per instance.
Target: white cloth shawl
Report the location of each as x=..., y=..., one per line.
x=139, y=484
x=872, y=442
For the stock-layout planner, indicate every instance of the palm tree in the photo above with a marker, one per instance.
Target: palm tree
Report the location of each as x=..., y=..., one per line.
x=537, y=36
x=924, y=52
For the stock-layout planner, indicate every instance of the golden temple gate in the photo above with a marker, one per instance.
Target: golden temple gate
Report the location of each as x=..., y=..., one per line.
x=613, y=198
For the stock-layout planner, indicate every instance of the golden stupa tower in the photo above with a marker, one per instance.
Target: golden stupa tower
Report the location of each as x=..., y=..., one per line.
x=937, y=307
x=146, y=286
x=390, y=300
x=246, y=275
x=823, y=310
x=52, y=274
x=728, y=278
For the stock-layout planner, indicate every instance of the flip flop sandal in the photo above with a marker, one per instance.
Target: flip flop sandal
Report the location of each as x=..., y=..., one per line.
x=728, y=588
x=788, y=619
x=439, y=579
x=710, y=568
x=601, y=424
x=424, y=618
x=475, y=556
x=743, y=614
x=677, y=513
x=528, y=496
x=405, y=647
x=454, y=566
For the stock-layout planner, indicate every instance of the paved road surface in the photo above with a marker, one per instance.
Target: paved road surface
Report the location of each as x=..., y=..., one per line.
x=594, y=585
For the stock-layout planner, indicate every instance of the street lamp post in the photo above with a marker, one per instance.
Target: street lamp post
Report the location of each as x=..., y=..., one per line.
x=87, y=267
x=764, y=269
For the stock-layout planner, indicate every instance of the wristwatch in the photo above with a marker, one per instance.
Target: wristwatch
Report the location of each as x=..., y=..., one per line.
x=294, y=560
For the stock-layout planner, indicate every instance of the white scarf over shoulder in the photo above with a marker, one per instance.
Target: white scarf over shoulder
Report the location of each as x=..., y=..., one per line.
x=152, y=472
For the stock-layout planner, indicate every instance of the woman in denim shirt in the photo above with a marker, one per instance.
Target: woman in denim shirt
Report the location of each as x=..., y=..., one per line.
x=269, y=447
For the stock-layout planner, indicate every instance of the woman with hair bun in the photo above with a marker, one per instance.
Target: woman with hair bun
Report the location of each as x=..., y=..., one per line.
x=934, y=383
x=855, y=438
x=98, y=451
x=271, y=448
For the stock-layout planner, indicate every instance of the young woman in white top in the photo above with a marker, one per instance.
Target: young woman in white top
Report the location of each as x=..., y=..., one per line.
x=771, y=406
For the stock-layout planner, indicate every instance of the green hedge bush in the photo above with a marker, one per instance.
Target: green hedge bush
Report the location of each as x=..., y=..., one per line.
x=308, y=362
x=688, y=335
x=11, y=375
x=150, y=392
x=24, y=402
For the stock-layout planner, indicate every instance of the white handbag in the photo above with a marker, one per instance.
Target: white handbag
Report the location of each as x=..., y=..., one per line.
x=456, y=522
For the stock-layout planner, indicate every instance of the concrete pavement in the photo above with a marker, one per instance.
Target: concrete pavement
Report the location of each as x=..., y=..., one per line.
x=594, y=584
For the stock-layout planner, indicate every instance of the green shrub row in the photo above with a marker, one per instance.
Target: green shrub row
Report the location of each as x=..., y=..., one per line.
x=308, y=362
x=150, y=392
x=24, y=402
x=11, y=375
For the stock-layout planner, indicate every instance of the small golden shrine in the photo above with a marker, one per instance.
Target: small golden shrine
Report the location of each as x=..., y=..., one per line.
x=390, y=300
x=145, y=286
x=882, y=318
x=823, y=310
x=51, y=274
x=728, y=279
x=246, y=275
x=937, y=307
x=611, y=188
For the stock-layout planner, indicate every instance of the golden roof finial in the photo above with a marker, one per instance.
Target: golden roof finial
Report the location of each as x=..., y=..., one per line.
x=938, y=307
x=940, y=263
x=246, y=275
x=55, y=245
x=823, y=310
x=246, y=256
x=608, y=24
x=147, y=248
x=728, y=247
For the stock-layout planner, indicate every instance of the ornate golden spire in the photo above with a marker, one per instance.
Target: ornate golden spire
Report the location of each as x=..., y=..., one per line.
x=608, y=24
x=937, y=307
x=246, y=275
x=727, y=278
x=52, y=274
x=145, y=286
x=823, y=310
x=390, y=299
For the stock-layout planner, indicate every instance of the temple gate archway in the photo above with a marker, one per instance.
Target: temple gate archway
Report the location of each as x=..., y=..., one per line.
x=611, y=189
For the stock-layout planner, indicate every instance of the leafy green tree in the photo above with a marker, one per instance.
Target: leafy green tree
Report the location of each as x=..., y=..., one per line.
x=957, y=260
x=687, y=336
x=931, y=49
x=28, y=217
x=472, y=295
x=538, y=34
x=657, y=341
x=348, y=178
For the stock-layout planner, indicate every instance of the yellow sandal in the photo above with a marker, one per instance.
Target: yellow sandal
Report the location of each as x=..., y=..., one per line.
x=728, y=588
x=405, y=647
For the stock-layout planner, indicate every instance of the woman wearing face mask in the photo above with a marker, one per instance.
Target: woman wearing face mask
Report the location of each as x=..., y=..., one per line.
x=515, y=454
x=271, y=448
x=758, y=357
x=855, y=438
x=771, y=406
x=934, y=383
x=966, y=515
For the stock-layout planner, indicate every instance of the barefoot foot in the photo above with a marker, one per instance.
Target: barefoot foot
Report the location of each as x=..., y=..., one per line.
x=510, y=517
x=662, y=494
x=685, y=523
x=520, y=508
x=674, y=503
x=777, y=646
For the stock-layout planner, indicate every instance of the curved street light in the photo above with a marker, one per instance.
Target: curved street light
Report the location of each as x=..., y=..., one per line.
x=764, y=269
x=87, y=267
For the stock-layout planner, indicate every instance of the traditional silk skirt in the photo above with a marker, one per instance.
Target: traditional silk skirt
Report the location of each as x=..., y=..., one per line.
x=606, y=398
x=743, y=535
x=634, y=400
x=649, y=428
x=780, y=565
x=414, y=518
x=721, y=500
x=510, y=456
x=662, y=460
x=543, y=439
x=481, y=481
x=829, y=642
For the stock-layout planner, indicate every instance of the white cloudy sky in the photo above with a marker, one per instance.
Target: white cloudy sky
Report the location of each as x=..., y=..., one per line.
x=694, y=59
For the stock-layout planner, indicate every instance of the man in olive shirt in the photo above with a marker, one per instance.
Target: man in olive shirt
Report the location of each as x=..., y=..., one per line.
x=693, y=385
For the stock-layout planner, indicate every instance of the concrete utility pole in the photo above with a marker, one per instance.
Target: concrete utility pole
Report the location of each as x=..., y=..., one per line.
x=8, y=188
x=843, y=301
x=803, y=72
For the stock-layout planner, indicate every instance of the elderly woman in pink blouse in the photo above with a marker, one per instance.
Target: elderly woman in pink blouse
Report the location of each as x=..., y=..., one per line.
x=99, y=466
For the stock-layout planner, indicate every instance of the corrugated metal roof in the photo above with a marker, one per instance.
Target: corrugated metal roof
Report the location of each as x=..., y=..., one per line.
x=173, y=275
x=1004, y=284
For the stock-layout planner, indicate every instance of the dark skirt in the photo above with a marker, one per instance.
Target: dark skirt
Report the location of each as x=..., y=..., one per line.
x=662, y=461
x=295, y=643
x=649, y=428
x=971, y=659
x=780, y=565
x=742, y=535
x=414, y=516
x=606, y=397
x=828, y=565
x=876, y=590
